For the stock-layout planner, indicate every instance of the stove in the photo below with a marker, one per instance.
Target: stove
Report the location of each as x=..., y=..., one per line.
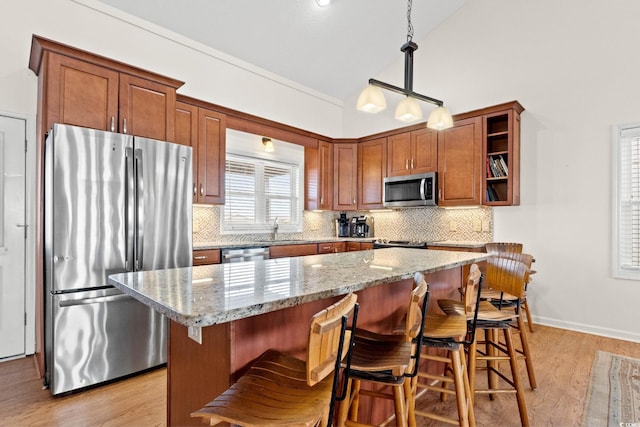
x=382, y=243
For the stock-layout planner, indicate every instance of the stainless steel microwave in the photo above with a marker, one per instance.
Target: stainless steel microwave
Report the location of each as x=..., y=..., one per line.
x=410, y=190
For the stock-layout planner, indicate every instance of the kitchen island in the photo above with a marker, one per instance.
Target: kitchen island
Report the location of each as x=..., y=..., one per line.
x=238, y=310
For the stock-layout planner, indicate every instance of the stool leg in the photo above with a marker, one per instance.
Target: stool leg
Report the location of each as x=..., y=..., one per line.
x=492, y=378
x=528, y=313
x=345, y=404
x=527, y=353
x=513, y=362
x=471, y=368
x=411, y=401
x=461, y=397
x=355, y=402
x=400, y=407
x=468, y=394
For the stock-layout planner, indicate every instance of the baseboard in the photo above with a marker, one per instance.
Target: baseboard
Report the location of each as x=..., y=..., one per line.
x=588, y=329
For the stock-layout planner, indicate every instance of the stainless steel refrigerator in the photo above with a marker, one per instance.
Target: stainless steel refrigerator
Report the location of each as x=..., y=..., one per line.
x=113, y=203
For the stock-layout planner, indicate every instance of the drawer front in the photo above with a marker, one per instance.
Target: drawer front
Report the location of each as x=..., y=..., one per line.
x=327, y=248
x=206, y=256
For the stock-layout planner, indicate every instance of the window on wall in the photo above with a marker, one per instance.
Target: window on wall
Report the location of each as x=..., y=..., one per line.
x=626, y=194
x=257, y=192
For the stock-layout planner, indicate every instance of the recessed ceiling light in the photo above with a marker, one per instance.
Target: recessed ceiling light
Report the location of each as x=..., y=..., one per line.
x=323, y=3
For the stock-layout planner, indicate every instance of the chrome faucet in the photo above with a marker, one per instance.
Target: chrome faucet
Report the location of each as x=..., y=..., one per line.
x=275, y=228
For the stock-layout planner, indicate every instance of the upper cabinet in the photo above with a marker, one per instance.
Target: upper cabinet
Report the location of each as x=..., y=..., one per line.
x=502, y=157
x=204, y=130
x=318, y=176
x=459, y=163
x=372, y=168
x=412, y=152
x=345, y=176
x=83, y=89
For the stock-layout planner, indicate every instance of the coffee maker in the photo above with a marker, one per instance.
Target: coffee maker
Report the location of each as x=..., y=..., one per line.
x=342, y=225
x=359, y=226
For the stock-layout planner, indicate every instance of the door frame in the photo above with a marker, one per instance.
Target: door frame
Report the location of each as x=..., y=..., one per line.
x=30, y=217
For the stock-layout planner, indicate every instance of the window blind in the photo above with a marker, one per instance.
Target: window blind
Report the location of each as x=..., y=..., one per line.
x=628, y=203
x=258, y=191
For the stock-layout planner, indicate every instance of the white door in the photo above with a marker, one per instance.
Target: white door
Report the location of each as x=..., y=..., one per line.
x=12, y=236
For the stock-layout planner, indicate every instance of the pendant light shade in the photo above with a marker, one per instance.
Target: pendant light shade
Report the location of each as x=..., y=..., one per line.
x=440, y=119
x=371, y=100
x=408, y=110
x=268, y=145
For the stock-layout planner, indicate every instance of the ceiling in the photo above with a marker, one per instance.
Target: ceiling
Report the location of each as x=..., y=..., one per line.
x=333, y=50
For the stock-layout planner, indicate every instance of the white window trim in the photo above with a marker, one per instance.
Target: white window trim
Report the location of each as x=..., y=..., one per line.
x=619, y=270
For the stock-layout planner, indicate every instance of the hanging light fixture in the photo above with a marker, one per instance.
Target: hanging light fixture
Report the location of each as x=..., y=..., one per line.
x=371, y=99
x=268, y=144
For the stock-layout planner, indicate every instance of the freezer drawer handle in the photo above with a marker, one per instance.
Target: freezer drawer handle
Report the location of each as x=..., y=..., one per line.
x=96, y=300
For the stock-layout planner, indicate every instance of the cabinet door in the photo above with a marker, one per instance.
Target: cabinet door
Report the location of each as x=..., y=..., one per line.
x=345, y=176
x=211, y=156
x=372, y=168
x=318, y=176
x=293, y=250
x=399, y=154
x=424, y=151
x=459, y=161
x=80, y=94
x=147, y=108
x=186, y=131
x=206, y=256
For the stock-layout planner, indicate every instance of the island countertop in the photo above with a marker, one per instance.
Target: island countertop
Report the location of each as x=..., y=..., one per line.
x=213, y=294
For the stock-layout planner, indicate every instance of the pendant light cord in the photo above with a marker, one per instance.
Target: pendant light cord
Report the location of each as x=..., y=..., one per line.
x=409, y=24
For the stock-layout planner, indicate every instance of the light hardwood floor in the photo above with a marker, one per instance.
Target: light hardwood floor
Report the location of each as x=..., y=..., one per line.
x=562, y=358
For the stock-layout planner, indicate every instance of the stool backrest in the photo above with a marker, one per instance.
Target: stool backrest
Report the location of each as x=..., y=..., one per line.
x=329, y=339
x=414, y=326
x=471, y=300
x=508, y=274
x=496, y=248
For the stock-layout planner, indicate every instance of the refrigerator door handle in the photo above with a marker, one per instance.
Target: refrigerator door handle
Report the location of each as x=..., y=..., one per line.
x=95, y=300
x=128, y=210
x=139, y=168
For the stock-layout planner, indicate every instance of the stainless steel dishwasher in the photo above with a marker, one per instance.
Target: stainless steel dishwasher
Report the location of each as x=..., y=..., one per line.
x=244, y=254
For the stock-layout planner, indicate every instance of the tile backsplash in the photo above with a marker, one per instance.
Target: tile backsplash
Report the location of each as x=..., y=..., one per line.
x=431, y=224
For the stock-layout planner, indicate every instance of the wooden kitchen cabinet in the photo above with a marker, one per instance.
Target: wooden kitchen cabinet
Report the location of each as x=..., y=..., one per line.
x=460, y=163
x=318, y=176
x=412, y=152
x=359, y=246
x=372, y=168
x=83, y=89
x=345, y=176
x=303, y=249
x=206, y=256
x=204, y=130
x=501, y=154
x=331, y=247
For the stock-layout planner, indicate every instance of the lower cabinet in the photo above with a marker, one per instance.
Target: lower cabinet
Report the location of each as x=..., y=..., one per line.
x=206, y=256
x=359, y=246
x=331, y=247
x=293, y=250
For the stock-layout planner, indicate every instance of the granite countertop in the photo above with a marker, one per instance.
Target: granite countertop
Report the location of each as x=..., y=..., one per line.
x=213, y=294
x=222, y=244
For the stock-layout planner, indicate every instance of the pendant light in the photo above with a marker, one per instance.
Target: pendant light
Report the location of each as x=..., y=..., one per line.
x=371, y=99
x=268, y=145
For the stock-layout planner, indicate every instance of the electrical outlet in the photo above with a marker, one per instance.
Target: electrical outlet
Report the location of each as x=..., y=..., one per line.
x=486, y=225
x=453, y=226
x=195, y=333
x=477, y=225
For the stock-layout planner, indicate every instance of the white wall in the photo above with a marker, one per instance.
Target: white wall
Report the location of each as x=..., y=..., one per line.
x=573, y=66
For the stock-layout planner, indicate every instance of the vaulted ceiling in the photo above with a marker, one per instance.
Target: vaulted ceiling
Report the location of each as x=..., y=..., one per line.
x=333, y=50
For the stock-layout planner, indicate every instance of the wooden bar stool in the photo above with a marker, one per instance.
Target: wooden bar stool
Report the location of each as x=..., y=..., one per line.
x=491, y=351
x=515, y=300
x=387, y=360
x=451, y=333
x=280, y=389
